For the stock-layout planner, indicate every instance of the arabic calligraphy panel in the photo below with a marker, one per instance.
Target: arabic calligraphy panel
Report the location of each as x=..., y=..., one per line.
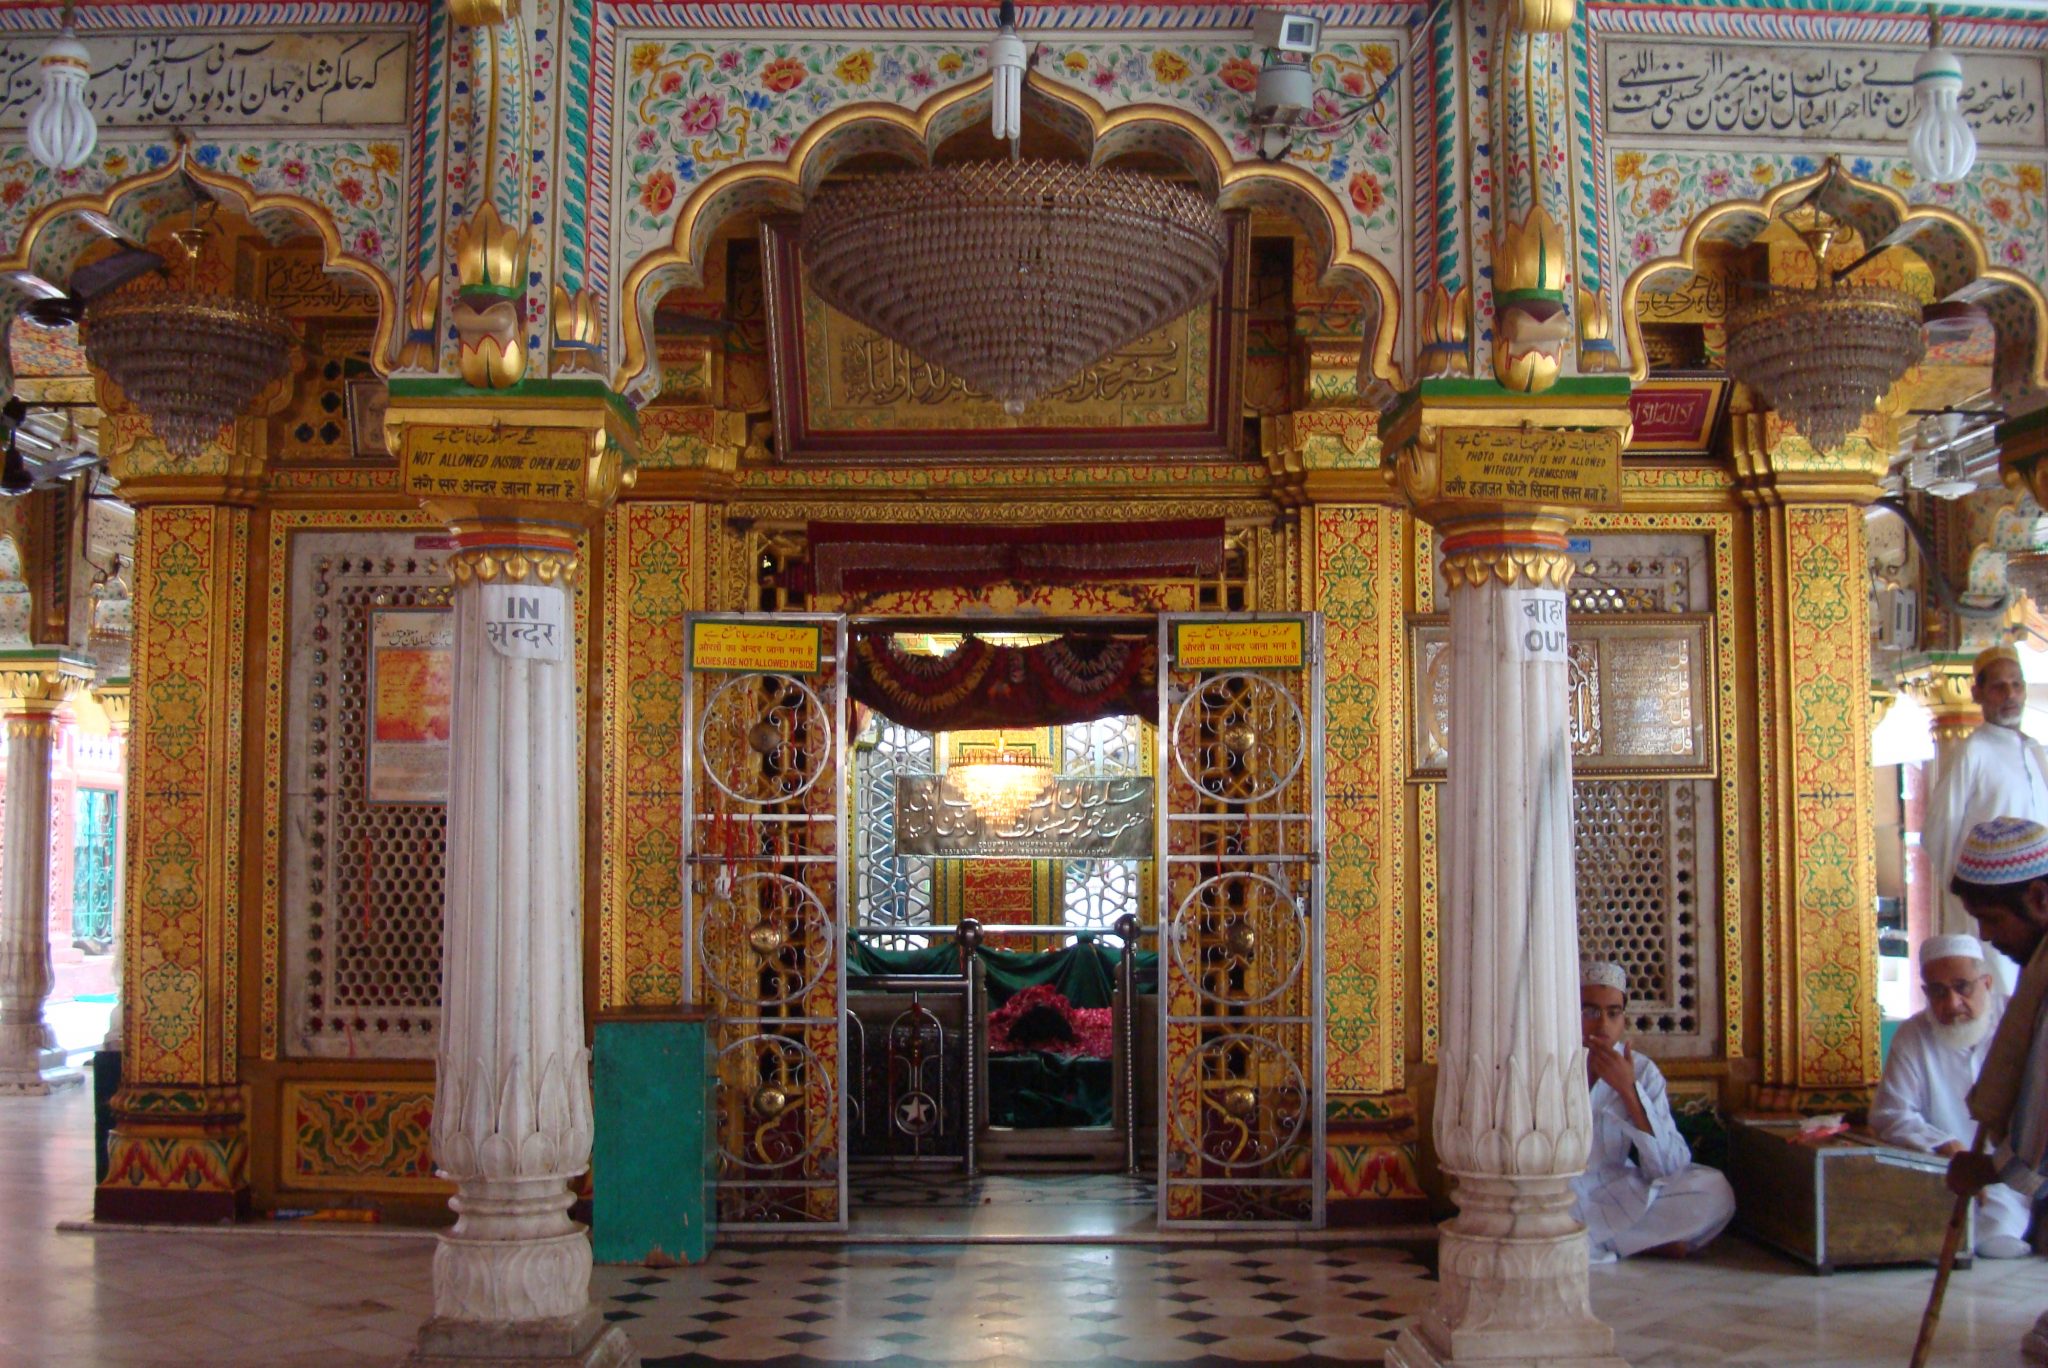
x=1749, y=92
x=262, y=80
x=1074, y=818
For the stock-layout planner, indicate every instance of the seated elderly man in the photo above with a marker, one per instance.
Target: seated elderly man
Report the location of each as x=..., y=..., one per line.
x=1656, y=1201
x=1933, y=1061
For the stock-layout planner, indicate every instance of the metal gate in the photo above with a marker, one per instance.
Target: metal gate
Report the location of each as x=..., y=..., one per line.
x=1241, y=920
x=764, y=817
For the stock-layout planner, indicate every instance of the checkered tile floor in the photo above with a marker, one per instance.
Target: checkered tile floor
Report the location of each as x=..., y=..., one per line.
x=1039, y=1304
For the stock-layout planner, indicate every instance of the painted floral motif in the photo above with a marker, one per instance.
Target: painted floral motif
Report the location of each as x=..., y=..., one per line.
x=360, y=182
x=689, y=110
x=1657, y=193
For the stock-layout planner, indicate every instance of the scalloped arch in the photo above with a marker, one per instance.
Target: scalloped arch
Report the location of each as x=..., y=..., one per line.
x=915, y=134
x=1951, y=246
x=53, y=240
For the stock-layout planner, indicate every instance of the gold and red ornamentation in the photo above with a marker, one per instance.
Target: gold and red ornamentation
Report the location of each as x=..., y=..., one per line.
x=1359, y=586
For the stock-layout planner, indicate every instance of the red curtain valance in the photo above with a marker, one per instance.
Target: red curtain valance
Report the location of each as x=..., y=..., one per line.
x=1077, y=678
x=867, y=558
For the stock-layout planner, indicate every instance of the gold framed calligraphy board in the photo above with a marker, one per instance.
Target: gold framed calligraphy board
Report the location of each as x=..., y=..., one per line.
x=1641, y=691
x=843, y=392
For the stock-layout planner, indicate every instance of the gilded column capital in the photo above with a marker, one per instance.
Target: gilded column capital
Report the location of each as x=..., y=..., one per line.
x=37, y=683
x=1471, y=450
x=1773, y=462
x=1940, y=681
x=117, y=698
x=524, y=468
x=2023, y=452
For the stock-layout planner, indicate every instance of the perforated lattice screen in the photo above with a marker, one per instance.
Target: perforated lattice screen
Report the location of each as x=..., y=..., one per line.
x=363, y=879
x=1638, y=872
x=1645, y=849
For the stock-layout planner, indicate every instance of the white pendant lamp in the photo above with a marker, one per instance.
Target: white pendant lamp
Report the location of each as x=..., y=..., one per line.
x=61, y=134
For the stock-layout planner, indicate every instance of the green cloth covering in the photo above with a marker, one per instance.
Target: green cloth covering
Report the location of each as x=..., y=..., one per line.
x=1084, y=973
x=1037, y=1091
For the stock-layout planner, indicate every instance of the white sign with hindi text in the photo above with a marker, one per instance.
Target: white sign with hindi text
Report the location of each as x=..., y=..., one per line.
x=526, y=621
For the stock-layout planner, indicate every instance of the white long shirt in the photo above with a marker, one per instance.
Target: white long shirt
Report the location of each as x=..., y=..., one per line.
x=1616, y=1190
x=1995, y=772
x=1919, y=1103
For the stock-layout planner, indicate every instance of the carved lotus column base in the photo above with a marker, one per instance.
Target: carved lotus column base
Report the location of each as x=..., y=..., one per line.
x=1512, y=1284
x=29, y=1063
x=582, y=1341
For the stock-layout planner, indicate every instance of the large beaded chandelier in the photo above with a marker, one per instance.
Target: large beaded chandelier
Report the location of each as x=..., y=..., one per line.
x=1823, y=356
x=1014, y=276
x=190, y=359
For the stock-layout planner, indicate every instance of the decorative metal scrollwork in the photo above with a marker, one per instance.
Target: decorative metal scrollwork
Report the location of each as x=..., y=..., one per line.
x=774, y=1093
x=1239, y=737
x=1253, y=1103
x=1239, y=939
x=766, y=943
x=765, y=738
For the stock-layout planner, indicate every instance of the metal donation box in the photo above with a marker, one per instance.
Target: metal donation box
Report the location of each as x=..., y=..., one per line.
x=655, y=1157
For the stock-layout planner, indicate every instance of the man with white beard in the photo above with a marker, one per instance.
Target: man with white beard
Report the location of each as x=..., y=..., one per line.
x=1996, y=772
x=1933, y=1061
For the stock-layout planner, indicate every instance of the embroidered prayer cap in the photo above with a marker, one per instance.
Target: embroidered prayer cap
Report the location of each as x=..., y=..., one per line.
x=1991, y=655
x=2004, y=850
x=1959, y=946
x=1605, y=974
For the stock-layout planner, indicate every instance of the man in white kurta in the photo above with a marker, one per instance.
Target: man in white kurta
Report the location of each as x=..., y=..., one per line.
x=1933, y=1060
x=1641, y=1193
x=1997, y=771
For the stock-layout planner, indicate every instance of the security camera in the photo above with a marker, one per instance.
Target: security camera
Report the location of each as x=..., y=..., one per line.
x=1288, y=37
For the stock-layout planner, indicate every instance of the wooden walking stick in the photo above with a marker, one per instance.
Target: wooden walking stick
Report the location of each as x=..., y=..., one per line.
x=1930, y=1318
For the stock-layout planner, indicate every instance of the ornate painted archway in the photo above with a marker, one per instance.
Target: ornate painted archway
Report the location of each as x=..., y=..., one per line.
x=915, y=136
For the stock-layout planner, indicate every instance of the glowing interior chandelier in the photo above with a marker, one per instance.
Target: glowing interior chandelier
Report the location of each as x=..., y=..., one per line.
x=191, y=359
x=1823, y=356
x=1014, y=276
x=1002, y=785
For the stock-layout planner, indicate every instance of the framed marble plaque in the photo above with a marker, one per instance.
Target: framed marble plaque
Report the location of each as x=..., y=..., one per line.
x=1641, y=687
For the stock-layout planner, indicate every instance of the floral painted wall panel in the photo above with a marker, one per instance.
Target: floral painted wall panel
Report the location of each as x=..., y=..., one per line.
x=690, y=107
x=370, y=177
x=1693, y=106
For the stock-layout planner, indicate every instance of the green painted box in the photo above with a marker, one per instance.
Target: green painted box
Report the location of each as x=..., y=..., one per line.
x=655, y=1158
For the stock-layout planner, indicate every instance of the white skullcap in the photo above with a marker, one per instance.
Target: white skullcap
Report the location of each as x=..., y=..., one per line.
x=1950, y=947
x=1603, y=974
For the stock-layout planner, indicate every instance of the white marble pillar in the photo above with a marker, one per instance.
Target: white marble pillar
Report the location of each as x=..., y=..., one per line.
x=512, y=1121
x=35, y=689
x=1512, y=1124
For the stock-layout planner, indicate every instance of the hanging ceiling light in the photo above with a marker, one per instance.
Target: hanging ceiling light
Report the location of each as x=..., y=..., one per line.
x=190, y=359
x=1013, y=276
x=1823, y=356
x=61, y=134
x=1939, y=465
x=1942, y=146
x=1007, y=59
x=1002, y=785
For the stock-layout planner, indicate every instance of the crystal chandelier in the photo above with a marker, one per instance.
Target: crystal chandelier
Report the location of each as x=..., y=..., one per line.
x=1014, y=276
x=190, y=359
x=1823, y=357
x=1002, y=785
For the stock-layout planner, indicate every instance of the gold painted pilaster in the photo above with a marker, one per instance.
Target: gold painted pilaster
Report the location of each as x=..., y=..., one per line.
x=180, y=1145
x=1811, y=598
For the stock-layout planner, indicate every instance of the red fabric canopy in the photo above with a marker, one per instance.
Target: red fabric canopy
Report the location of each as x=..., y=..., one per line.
x=1075, y=679
x=866, y=558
